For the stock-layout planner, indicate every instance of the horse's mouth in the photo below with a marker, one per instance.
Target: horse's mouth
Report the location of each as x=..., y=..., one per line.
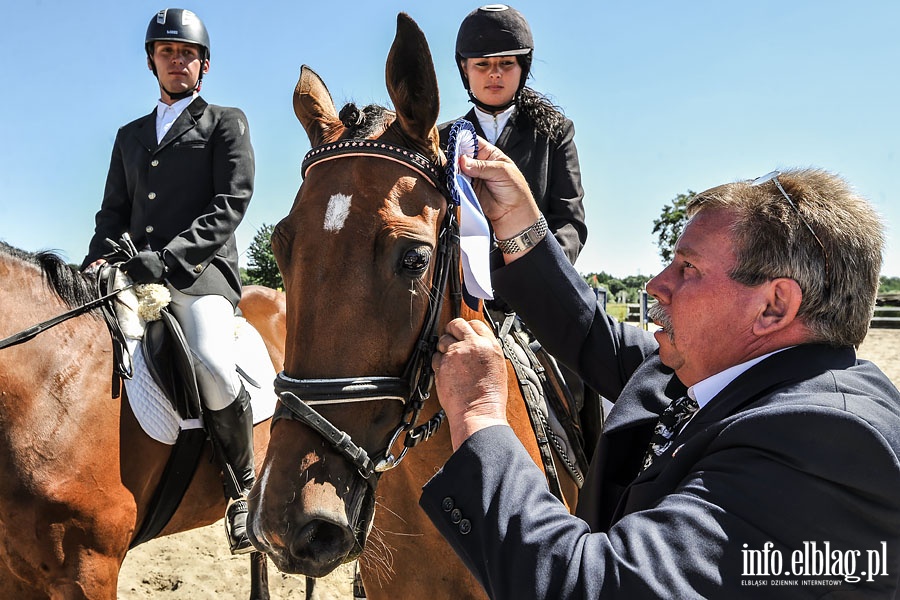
x=320, y=545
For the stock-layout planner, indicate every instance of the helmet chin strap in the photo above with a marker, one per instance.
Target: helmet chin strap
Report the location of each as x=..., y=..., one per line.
x=184, y=94
x=491, y=108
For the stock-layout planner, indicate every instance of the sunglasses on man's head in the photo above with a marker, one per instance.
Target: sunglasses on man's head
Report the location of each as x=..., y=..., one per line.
x=773, y=177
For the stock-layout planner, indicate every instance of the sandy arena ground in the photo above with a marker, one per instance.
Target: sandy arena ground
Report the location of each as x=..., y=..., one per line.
x=196, y=565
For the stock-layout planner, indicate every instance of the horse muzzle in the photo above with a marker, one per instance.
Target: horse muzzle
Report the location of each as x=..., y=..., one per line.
x=315, y=533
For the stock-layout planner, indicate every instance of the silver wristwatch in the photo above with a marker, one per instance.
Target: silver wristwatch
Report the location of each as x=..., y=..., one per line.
x=525, y=239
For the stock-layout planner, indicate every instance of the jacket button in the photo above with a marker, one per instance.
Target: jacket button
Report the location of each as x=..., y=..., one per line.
x=152, y=195
x=455, y=515
x=154, y=163
x=465, y=526
x=149, y=228
x=198, y=268
x=447, y=504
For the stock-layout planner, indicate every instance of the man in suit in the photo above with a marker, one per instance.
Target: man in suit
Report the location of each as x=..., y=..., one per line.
x=780, y=468
x=179, y=183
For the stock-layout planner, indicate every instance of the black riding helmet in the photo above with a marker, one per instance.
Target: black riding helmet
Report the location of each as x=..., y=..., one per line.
x=177, y=25
x=494, y=30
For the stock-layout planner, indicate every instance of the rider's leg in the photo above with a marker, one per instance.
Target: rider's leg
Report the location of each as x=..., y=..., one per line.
x=208, y=325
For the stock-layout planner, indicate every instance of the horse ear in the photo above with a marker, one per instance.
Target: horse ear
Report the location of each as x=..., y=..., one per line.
x=315, y=108
x=412, y=84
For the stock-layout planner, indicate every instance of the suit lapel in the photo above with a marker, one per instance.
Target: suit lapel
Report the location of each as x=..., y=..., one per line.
x=146, y=131
x=186, y=121
x=510, y=136
x=472, y=118
x=642, y=402
x=796, y=364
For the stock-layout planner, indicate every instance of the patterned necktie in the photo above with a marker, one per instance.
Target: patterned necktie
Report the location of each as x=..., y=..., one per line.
x=668, y=426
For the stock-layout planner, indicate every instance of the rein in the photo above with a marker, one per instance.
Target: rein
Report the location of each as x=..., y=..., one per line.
x=27, y=334
x=298, y=396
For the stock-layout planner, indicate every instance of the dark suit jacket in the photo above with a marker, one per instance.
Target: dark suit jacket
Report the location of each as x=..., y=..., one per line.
x=798, y=452
x=552, y=171
x=183, y=197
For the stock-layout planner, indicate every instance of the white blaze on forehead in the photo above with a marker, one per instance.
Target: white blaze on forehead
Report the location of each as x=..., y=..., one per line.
x=337, y=211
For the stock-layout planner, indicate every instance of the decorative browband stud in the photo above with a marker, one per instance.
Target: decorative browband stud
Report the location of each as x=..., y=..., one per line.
x=357, y=147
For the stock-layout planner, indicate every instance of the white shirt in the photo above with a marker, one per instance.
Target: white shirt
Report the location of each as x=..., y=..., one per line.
x=166, y=115
x=493, y=125
x=706, y=390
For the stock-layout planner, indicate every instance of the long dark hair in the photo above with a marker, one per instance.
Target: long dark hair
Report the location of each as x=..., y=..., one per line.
x=547, y=117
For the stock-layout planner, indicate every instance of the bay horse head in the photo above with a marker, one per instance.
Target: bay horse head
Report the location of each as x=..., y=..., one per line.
x=365, y=253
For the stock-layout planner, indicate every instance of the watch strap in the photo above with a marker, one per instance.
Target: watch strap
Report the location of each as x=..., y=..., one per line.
x=525, y=239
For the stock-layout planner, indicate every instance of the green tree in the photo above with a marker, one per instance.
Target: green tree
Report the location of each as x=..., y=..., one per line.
x=631, y=285
x=889, y=284
x=261, y=266
x=669, y=225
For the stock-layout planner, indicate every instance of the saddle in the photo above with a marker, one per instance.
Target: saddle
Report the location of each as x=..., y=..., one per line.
x=166, y=352
x=169, y=361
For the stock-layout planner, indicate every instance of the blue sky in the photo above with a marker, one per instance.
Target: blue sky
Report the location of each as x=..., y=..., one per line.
x=665, y=96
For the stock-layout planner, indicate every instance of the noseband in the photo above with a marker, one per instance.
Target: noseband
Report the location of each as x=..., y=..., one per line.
x=298, y=396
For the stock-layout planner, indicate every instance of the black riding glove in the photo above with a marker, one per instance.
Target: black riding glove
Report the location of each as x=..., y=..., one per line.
x=145, y=267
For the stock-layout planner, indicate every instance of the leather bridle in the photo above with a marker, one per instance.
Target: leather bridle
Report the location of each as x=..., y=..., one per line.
x=299, y=396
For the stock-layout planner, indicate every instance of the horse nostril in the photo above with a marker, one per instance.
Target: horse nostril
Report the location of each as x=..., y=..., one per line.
x=323, y=541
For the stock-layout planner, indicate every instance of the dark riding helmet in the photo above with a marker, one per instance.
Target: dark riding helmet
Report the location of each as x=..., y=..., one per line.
x=177, y=25
x=494, y=30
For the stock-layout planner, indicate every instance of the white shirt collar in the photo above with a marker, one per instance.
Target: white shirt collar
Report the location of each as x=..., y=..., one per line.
x=706, y=390
x=493, y=125
x=167, y=113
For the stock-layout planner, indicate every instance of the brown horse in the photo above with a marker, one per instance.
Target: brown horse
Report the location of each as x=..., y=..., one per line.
x=78, y=472
x=366, y=255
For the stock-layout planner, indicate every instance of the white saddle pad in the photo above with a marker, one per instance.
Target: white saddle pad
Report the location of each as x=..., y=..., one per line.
x=154, y=411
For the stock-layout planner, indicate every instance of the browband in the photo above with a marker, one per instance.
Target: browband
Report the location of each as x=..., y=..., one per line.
x=356, y=147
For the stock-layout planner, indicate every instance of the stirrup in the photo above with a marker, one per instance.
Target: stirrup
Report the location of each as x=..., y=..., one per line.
x=236, y=526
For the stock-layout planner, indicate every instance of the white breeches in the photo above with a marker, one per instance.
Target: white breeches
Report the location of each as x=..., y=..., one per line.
x=208, y=325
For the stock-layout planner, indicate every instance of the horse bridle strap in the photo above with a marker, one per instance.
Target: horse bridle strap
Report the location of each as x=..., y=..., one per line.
x=344, y=389
x=368, y=148
x=299, y=410
x=27, y=334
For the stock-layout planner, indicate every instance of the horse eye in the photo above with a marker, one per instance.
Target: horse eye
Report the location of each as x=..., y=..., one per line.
x=416, y=260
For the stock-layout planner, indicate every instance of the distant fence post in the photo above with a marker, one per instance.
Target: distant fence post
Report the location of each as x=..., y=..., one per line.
x=601, y=294
x=643, y=301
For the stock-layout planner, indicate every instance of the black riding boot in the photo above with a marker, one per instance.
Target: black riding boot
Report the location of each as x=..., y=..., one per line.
x=231, y=430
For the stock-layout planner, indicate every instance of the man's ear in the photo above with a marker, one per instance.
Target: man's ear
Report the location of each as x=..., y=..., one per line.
x=782, y=301
x=149, y=63
x=206, y=66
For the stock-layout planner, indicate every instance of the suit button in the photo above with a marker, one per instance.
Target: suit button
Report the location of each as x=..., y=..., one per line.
x=152, y=195
x=154, y=163
x=465, y=526
x=447, y=504
x=198, y=268
x=149, y=228
x=455, y=515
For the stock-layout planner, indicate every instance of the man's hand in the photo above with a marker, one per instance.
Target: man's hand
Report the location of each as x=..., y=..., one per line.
x=502, y=191
x=145, y=267
x=470, y=377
